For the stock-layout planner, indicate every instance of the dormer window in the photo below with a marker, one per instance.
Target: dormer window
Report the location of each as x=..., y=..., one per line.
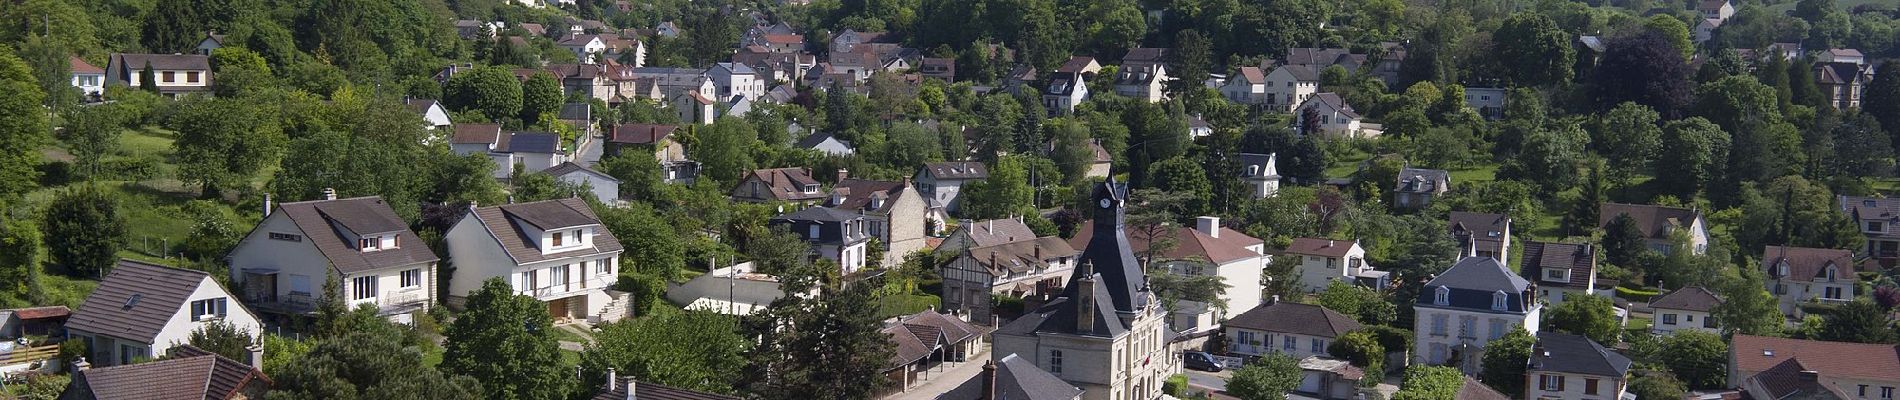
x=1875, y=227
x=557, y=241
x=1828, y=273
x=1499, y=300
x=1441, y=296
x=1781, y=269
x=811, y=188
x=375, y=243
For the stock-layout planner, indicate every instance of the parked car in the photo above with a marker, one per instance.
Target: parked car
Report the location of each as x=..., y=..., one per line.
x=1200, y=361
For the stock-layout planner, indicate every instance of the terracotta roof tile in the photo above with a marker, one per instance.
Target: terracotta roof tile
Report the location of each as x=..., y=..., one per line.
x=1880, y=362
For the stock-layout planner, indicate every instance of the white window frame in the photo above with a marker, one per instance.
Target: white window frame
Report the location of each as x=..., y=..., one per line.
x=209, y=309
x=363, y=287
x=1669, y=319
x=411, y=278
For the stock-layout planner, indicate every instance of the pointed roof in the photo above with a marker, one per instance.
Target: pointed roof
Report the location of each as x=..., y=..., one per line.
x=1693, y=298
x=1110, y=251
x=508, y=223
x=1807, y=263
x=360, y=216
x=1481, y=274
x=136, y=300
x=1562, y=352
x=1792, y=379
x=1579, y=258
x=200, y=375
x=80, y=66
x=1650, y=219
x=1295, y=318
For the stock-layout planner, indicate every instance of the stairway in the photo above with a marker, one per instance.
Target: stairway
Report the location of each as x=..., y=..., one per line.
x=615, y=310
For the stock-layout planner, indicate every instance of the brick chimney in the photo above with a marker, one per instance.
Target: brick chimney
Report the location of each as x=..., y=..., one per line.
x=989, y=380
x=1085, y=297
x=843, y=174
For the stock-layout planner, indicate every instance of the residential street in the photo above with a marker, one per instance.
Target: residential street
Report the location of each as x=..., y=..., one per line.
x=590, y=151
x=942, y=381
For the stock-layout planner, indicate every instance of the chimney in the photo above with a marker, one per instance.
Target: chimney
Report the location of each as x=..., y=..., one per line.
x=843, y=174
x=631, y=385
x=989, y=226
x=1208, y=225
x=989, y=380
x=611, y=379
x=1274, y=299
x=80, y=364
x=1085, y=298
x=267, y=204
x=257, y=355
x=329, y=194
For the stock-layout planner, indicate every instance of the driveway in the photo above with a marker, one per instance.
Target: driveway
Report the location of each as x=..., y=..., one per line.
x=1213, y=381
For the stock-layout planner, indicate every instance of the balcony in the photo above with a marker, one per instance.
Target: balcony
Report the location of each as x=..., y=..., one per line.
x=401, y=297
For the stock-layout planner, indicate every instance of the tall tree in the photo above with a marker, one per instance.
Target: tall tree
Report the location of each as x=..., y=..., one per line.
x=725, y=149
x=1700, y=151
x=1646, y=69
x=1882, y=98
x=1697, y=357
x=1859, y=321
x=1534, y=50
x=505, y=340
x=540, y=94
x=23, y=126
x=1182, y=176
x=1629, y=137
x=830, y=345
x=1550, y=158
x=1764, y=146
x=172, y=26
x=91, y=133
x=222, y=142
x=1072, y=151
x=1746, y=306
x=1623, y=241
x=1193, y=56
x=1504, y=361
x=1591, y=316
x=1861, y=148
x=1004, y=193
x=698, y=350
x=493, y=91
x=20, y=263
x=1674, y=30
x=84, y=232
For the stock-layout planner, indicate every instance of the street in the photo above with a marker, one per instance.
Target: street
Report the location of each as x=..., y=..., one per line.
x=589, y=153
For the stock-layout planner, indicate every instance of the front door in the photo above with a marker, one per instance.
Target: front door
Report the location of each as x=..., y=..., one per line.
x=557, y=308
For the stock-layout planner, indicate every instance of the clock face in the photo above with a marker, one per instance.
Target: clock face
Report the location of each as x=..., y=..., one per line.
x=1105, y=203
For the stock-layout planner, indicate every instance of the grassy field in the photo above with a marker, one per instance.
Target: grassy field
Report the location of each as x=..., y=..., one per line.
x=1843, y=4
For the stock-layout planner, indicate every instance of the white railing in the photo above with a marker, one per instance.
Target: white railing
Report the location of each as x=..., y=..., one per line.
x=404, y=296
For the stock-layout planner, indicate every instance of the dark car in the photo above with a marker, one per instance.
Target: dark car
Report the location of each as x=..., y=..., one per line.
x=1200, y=361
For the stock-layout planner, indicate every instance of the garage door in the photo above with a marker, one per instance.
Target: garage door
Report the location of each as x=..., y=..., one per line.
x=1309, y=382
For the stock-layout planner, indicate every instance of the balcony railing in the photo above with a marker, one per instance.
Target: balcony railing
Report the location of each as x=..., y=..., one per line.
x=404, y=296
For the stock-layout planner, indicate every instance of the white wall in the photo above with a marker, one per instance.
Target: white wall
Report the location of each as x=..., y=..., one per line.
x=178, y=329
x=1685, y=320
x=1574, y=386
x=1426, y=337
x=1260, y=343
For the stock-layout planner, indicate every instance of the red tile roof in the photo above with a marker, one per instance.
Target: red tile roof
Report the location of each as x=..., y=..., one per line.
x=1320, y=247
x=82, y=67
x=1190, y=243
x=1805, y=263
x=1754, y=354
x=42, y=312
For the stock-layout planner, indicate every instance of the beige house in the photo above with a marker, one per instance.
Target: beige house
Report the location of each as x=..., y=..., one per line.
x=987, y=233
x=1324, y=261
x=1878, y=219
x=1336, y=118
x=1248, y=86
x=792, y=185
x=893, y=210
x=1290, y=85
x=1467, y=306
x=174, y=73
x=281, y=265
x=1690, y=308
x=1483, y=234
x=1799, y=275
x=1571, y=367
x=657, y=139
x=1283, y=327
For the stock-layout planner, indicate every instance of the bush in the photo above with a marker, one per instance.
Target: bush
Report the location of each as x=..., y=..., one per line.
x=128, y=169
x=70, y=351
x=56, y=173
x=1637, y=295
x=1175, y=386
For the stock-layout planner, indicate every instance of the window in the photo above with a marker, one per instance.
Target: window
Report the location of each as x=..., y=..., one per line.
x=1055, y=361
x=557, y=238
x=578, y=238
x=208, y=309
x=369, y=243
x=286, y=237
x=1832, y=293
x=1289, y=343
x=1468, y=327
x=1497, y=328
x=1708, y=322
x=1498, y=300
x=1886, y=392
x=1441, y=296
x=811, y=232
x=191, y=77
x=1557, y=274
x=1875, y=227
x=605, y=266
x=1828, y=273
x=1319, y=346
x=1781, y=289
x=560, y=276
x=412, y=278
x=529, y=281
x=1669, y=319
x=1688, y=317
x=1438, y=324
x=167, y=77
x=1551, y=383
x=1589, y=386
x=1439, y=353
x=363, y=287
x=1863, y=391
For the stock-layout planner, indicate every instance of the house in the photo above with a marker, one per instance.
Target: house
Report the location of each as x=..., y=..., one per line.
x=1799, y=275
x=1207, y=249
x=1879, y=220
x=1391, y=58
x=89, y=79
x=471, y=138
x=1476, y=293
x=1482, y=234
x=1249, y=86
x=1329, y=378
x=1785, y=366
x=775, y=65
x=1489, y=101
x=695, y=108
x=1563, y=271
x=174, y=73
x=672, y=82
x=1705, y=29
x=792, y=185
x=894, y=210
x=605, y=188
x=1260, y=173
x=776, y=41
x=736, y=290
x=1082, y=66
x=280, y=266
x=1323, y=261
x=532, y=151
x=1659, y=224
x=586, y=48
x=1035, y=267
x=845, y=42
x=1198, y=128
x=943, y=69
x=1288, y=328
x=1290, y=85
x=1013, y=377
x=658, y=140
x=1689, y=308
x=141, y=311
x=736, y=80
x=1106, y=332
x=593, y=81
x=1847, y=56
x=1320, y=58
x=925, y=341
x=1141, y=82
x=1843, y=82
x=555, y=251
x=826, y=143
x=1417, y=187
x=666, y=29
x=1715, y=9
x=36, y=321
x=1018, y=76
x=1064, y=92
x=212, y=41
x=835, y=235
x=433, y=115
x=943, y=181
x=1572, y=367
x=986, y=233
x=1336, y=118
x=199, y=375
x=1102, y=162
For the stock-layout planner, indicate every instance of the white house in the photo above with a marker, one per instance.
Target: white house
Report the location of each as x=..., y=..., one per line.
x=1563, y=271
x=736, y=80
x=471, y=138
x=1247, y=87
x=1799, y=275
x=140, y=311
x=556, y=251
x=90, y=79
x=1065, y=91
x=280, y=266
x=1284, y=327
x=1489, y=101
x=604, y=187
x=433, y=115
x=1336, y=118
x=1290, y=85
x=586, y=48
x=1715, y=9
x=1467, y=306
x=695, y=108
x=1206, y=249
x=1260, y=173
x=941, y=182
x=1689, y=308
x=174, y=73
x=212, y=41
x=825, y=142
x=736, y=290
x=1326, y=260
x=1571, y=367
x=1143, y=73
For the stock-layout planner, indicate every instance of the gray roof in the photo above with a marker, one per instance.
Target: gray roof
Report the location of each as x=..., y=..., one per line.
x=577, y=112
x=736, y=68
x=1693, y=298
x=1422, y=180
x=505, y=223
x=571, y=167
x=1480, y=273
x=815, y=140
x=1295, y=318
x=1108, y=265
x=1063, y=84
x=824, y=214
x=361, y=216
x=136, y=300
x=1562, y=352
x=132, y=63
x=1579, y=258
x=531, y=142
x=1017, y=378
x=200, y=376
x=1302, y=72
x=1255, y=159
x=1333, y=99
x=957, y=170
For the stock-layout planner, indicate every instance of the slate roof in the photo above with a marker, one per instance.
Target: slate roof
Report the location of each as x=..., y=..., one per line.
x=1693, y=298
x=1651, y=220
x=506, y=224
x=1837, y=73
x=1108, y=264
x=957, y=170
x=654, y=391
x=1861, y=361
x=821, y=214
x=361, y=216
x=132, y=63
x=955, y=330
x=1145, y=56
x=1562, y=352
x=571, y=167
x=1791, y=379
x=642, y=133
x=1806, y=263
x=466, y=133
x=861, y=191
x=1189, y=244
x=1063, y=84
x=1422, y=180
x=201, y=376
x=906, y=346
x=1472, y=282
x=136, y=300
x=997, y=231
x=1486, y=229
x=1058, y=316
x=1017, y=378
x=1303, y=73
x=1580, y=259
x=1295, y=318
x=1320, y=247
x=812, y=141
x=531, y=142
x=1320, y=57
x=1264, y=161
x=1876, y=209
x=1021, y=256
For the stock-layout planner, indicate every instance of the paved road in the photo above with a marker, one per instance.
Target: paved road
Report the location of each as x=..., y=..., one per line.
x=590, y=151
x=1215, y=381
x=950, y=377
